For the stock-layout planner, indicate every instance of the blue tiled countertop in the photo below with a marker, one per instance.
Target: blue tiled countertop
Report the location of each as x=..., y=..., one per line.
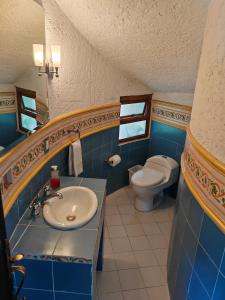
x=37, y=240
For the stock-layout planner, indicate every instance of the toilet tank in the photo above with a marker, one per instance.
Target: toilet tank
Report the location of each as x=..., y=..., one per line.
x=165, y=164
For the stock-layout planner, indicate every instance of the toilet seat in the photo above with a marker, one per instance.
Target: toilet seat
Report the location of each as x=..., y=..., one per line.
x=147, y=177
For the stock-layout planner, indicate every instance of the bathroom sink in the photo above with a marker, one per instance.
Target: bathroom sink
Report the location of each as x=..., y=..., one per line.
x=76, y=208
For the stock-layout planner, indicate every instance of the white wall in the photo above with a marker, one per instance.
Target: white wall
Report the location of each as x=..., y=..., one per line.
x=156, y=41
x=6, y=87
x=180, y=98
x=85, y=78
x=208, y=114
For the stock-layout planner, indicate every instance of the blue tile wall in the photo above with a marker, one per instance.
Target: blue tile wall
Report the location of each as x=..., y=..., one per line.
x=196, y=262
x=166, y=140
x=71, y=296
x=80, y=281
x=39, y=275
x=36, y=294
x=8, y=132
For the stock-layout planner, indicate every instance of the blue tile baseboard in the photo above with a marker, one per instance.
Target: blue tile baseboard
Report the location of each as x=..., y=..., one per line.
x=196, y=262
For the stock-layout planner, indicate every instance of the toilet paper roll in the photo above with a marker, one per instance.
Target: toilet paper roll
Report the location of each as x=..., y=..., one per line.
x=114, y=160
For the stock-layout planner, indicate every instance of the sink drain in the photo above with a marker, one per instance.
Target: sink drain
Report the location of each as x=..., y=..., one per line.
x=71, y=218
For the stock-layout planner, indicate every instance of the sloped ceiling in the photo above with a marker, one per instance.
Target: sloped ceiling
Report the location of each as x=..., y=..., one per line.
x=155, y=41
x=21, y=25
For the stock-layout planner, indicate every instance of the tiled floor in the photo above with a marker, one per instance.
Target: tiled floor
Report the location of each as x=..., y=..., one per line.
x=136, y=246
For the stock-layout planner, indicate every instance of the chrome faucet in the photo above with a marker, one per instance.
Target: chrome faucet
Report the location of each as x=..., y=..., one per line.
x=38, y=201
x=49, y=193
x=35, y=206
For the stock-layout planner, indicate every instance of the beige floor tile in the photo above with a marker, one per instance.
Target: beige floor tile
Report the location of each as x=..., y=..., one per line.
x=107, y=247
x=139, y=243
x=125, y=209
x=159, y=293
x=131, y=279
x=109, y=263
x=116, y=231
x=171, y=213
x=129, y=219
x=130, y=191
x=106, y=233
x=123, y=200
x=113, y=220
x=108, y=282
x=152, y=276
x=161, y=256
x=146, y=258
x=121, y=245
x=140, y=294
x=162, y=215
x=164, y=272
x=111, y=210
x=165, y=228
x=158, y=241
x=125, y=260
x=134, y=264
x=111, y=296
x=151, y=229
x=145, y=218
x=110, y=201
x=121, y=193
x=134, y=230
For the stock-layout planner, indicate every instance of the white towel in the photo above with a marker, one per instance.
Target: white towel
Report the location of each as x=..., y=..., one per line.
x=75, y=159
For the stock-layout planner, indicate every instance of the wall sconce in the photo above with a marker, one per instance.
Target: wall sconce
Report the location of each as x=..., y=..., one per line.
x=47, y=66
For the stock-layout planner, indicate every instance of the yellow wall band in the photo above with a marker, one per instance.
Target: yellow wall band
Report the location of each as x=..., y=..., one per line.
x=205, y=154
x=172, y=104
x=54, y=122
x=7, y=111
x=47, y=157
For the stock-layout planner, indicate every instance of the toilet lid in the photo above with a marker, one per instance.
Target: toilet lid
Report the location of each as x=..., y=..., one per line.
x=147, y=177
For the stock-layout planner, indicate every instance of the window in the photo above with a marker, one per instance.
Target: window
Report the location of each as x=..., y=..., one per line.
x=26, y=110
x=134, y=117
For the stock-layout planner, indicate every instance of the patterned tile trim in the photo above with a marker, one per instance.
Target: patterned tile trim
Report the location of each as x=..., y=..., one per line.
x=7, y=101
x=207, y=182
x=24, y=161
x=68, y=259
x=171, y=114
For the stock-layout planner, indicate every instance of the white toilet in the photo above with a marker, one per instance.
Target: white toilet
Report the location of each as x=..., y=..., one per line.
x=158, y=173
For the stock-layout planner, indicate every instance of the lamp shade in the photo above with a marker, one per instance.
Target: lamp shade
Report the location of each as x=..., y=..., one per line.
x=55, y=55
x=38, y=54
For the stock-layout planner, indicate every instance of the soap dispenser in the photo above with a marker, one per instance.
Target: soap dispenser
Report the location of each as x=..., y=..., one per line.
x=55, y=180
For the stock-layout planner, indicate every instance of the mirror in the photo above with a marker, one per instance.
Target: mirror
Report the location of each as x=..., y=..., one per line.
x=23, y=93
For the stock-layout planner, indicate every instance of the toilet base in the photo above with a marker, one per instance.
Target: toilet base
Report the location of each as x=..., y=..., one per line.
x=143, y=204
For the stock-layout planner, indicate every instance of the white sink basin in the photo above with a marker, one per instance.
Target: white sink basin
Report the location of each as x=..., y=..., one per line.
x=78, y=206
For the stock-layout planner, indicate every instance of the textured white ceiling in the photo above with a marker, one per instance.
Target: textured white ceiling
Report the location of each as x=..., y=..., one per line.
x=155, y=41
x=21, y=25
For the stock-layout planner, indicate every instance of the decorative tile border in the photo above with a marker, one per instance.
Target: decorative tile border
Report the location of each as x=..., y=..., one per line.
x=7, y=102
x=171, y=114
x=25, y=160
x=206, y=180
